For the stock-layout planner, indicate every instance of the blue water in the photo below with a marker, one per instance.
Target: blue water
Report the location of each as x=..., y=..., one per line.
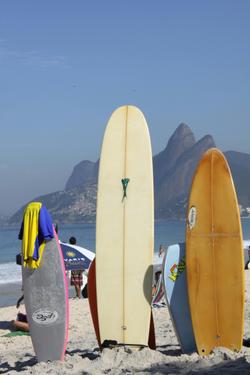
x=166, y=233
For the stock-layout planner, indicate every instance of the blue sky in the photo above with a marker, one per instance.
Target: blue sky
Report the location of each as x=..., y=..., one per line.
x=66, y=65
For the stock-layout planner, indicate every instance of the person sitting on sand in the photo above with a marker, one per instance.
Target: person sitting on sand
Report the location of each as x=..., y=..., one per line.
x=21, y=323
x=76, y=275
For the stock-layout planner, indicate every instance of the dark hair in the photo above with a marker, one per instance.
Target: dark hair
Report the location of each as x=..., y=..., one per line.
x=72, y=240
x=56, y=227
x=19, y=259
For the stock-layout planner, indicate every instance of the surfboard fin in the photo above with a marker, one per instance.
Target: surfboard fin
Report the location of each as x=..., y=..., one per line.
x=125, y=182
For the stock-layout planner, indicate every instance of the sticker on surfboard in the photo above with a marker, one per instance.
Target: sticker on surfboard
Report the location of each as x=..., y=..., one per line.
x=177, y=269
x=44, y=316
x=192, y=217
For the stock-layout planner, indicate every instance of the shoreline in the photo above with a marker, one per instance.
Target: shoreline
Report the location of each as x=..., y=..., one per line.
x=84, y=357
x=11, y=292
x=16, y=225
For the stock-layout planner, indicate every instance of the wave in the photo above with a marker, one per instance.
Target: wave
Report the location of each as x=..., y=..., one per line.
x=10, y=273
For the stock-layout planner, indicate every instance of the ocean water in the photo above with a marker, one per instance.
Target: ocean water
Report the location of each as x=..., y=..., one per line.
x=166, y=233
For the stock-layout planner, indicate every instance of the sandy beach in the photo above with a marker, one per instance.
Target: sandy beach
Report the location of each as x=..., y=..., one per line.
x=83, y=355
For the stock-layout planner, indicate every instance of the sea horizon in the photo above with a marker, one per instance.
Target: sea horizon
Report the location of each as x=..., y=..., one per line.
x=167, y=232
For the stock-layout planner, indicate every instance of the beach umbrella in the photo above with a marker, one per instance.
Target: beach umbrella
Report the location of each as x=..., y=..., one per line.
x=76, y=257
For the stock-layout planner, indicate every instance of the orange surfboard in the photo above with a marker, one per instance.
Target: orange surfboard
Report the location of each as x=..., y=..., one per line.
x=214, y=257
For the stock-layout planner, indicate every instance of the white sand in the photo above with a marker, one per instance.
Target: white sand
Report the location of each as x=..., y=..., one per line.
x=83, y=356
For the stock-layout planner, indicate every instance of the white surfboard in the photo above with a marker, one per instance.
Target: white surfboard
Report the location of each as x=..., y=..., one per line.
x=125, y=230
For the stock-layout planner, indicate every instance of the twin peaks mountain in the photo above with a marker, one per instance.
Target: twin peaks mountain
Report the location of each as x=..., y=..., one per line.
x=173, y=172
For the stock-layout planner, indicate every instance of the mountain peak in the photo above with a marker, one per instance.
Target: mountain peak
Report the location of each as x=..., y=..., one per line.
x=183, y=127
x=207, y=140
x=181, y=140
x=85, y=172
x=183, y=135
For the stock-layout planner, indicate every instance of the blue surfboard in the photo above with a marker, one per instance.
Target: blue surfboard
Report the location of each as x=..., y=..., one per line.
x=175, y=286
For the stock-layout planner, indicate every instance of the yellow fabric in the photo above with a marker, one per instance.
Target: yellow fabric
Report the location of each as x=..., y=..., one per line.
x=30, y=233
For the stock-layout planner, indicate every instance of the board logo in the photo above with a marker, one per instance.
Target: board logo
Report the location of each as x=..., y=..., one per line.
x=192, y=217
x=177, y=269
x=45, y=316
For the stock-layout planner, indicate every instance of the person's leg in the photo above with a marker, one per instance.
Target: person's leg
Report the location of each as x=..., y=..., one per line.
x=75, y=290
x=78, y=291
x=20, y=326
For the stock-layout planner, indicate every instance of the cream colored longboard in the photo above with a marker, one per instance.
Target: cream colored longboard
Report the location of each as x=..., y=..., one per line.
x=214, y=256
x=125, y=230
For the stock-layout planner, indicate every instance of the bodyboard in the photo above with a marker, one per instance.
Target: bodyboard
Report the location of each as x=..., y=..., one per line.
x=46, y=303
x=175, y=286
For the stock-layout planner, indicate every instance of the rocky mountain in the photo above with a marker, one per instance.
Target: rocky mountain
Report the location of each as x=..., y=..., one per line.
x=240, y=167
x=173, y=172
x=68, y=206
x=180, y=141
x=86, y=172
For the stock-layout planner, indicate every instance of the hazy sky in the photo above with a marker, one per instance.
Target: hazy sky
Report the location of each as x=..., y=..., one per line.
x=66, y=65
